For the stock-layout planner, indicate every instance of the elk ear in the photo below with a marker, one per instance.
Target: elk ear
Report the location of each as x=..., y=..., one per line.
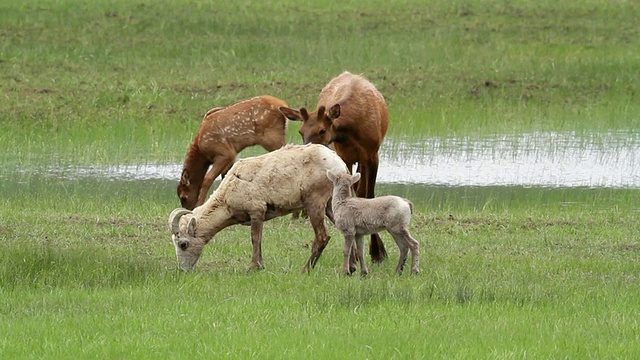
x=191, y=228
x=355, y=178
x=305, y=113
x=291, y=114
x=334, y=112
x=320, y=112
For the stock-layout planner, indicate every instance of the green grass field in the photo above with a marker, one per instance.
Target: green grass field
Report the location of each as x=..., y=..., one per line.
x=87, y=269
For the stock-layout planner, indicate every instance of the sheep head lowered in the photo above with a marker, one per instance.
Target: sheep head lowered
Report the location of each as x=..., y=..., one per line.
x=258, y=189
x=188, y=247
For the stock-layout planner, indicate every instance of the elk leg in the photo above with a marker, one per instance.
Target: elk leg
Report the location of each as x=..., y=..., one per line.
x=365, y=189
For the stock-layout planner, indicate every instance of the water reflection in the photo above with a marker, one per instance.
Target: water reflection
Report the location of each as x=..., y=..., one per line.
x=532, y=159
x=546, y=159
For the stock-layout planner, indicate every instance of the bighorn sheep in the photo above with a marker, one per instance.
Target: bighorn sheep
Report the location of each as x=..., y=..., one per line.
x=352, y=116
x=224, y=132
x=356, y=217
x=257, y=189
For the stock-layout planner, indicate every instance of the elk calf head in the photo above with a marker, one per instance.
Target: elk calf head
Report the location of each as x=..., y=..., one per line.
x=187, y=192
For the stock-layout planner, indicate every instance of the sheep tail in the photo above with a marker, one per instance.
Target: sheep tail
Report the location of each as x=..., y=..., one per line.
x=410, y=205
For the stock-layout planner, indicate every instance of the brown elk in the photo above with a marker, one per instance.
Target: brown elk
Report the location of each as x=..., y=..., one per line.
x=351, y=116
x=224, y=132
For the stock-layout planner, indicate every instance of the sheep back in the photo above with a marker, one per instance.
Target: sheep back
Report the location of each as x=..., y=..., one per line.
x=281, y=179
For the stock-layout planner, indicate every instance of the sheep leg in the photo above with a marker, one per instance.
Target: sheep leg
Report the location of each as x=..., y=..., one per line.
x=321, y=239
x=329, y=212
x=414, y=246
x=256, y=239
x=346, y=252
x=220, y=167
x=355, y=257
x=408, y=243
x=360, y=250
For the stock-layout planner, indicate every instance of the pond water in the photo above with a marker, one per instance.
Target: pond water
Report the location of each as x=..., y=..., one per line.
x=546, y=159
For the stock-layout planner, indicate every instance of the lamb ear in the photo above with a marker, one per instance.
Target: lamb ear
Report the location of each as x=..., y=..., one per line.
x=191, y=228
x=331, y=175
x=355, y=178
x=291, y=114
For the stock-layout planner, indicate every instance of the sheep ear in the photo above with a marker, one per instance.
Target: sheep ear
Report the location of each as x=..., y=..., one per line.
x=355, y=178
x=191, y=228
x=331, y=175
x=291, y=114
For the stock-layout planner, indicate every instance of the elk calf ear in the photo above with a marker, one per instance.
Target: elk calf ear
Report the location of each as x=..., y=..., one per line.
x=291, y=114
x=215, y=109
x=185, y=178
x=334, y=112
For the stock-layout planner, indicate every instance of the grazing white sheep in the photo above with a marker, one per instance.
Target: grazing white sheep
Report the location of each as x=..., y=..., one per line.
x=356, y=217
x=258, y=189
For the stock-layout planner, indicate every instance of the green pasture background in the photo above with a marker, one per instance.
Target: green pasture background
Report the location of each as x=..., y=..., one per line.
x=105, y=81
x=86, y=266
